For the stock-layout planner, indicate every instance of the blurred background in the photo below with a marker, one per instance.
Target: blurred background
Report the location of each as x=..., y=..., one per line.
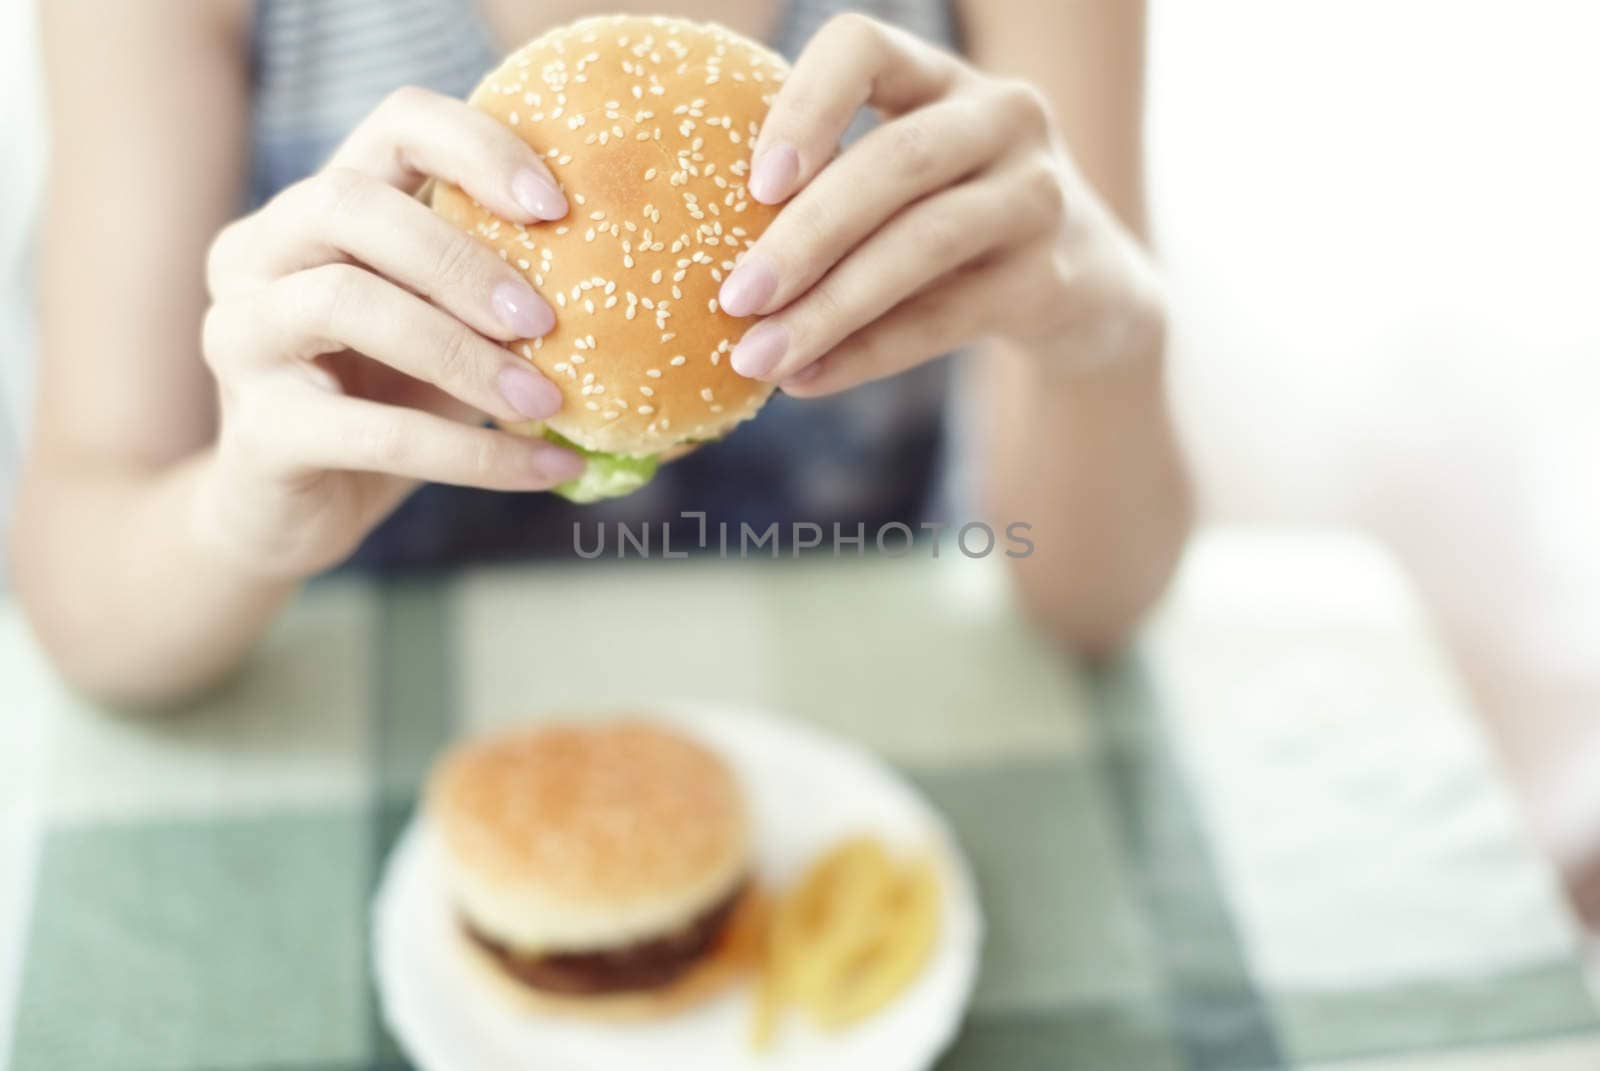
x=1381, y=228
x=1380, y=223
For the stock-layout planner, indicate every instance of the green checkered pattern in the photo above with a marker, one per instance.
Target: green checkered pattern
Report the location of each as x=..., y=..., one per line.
x=202, y=883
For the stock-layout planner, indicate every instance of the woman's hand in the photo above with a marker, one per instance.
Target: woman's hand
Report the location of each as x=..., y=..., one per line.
x=959, y=217
x=358, y=339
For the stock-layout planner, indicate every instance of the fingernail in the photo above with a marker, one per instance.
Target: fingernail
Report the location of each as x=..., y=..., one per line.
x=538, y=195
x=555, y=464
x=760, y=350
x=772, y=178
x=749, y=288
x=529, y=393
x=520, y=309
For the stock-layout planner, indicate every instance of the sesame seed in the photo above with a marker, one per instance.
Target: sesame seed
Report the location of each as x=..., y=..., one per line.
x=705, y=392
x=678, y=361
x=647, y=409
x=653, y=373
x=646, y=391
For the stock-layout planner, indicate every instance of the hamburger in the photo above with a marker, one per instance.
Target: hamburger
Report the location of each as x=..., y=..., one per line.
x=648, y=125
x=602, y=870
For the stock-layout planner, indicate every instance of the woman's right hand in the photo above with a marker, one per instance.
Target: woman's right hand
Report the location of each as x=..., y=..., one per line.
x=358, y=340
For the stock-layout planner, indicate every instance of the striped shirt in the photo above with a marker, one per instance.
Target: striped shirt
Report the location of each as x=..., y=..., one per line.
x=866, y=457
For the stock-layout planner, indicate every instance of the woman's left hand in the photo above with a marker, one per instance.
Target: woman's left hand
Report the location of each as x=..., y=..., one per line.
x=959, y=217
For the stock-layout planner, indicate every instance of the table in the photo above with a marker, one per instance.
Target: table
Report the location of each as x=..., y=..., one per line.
x=1271, y=837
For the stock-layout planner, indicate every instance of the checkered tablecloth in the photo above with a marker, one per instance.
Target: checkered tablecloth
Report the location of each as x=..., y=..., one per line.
x=1270, y=839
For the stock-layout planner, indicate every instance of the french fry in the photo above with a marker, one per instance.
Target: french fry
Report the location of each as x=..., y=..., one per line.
x=891, y=963
x=856, y=880
x=769, y=991
x=847, y=939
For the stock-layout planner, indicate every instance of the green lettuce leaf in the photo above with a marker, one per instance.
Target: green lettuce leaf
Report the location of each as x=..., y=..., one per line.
x=606, y=476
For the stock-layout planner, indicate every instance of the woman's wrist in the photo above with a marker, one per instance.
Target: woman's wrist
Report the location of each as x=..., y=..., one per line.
x=1122, y=336
x=219, y=531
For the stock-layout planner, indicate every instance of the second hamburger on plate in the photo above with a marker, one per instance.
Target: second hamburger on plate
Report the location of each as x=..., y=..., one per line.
x=602, y=870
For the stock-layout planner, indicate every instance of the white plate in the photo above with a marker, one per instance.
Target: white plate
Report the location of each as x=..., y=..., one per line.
x=805, y=790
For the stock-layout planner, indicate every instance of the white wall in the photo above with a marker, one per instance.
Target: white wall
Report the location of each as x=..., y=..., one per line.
x=21, y=135
x=1382, y=223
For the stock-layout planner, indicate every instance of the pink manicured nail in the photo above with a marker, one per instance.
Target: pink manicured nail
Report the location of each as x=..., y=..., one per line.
x=520, y=309
x=772, y=178
x=529, y=393
x=538, y=195
x=760, y=350
x=555, y=464
x=749, y=288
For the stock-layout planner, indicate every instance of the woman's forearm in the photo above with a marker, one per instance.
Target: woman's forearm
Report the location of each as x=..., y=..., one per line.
x=1090, y=460
x=129, y=601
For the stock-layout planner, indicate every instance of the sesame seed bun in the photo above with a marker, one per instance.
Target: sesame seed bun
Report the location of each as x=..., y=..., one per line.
x=731, y=959
x=648, y=124
x=580, y=838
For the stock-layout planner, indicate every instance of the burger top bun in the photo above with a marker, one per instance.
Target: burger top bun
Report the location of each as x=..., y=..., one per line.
x=648, y=125
x=580, y=837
